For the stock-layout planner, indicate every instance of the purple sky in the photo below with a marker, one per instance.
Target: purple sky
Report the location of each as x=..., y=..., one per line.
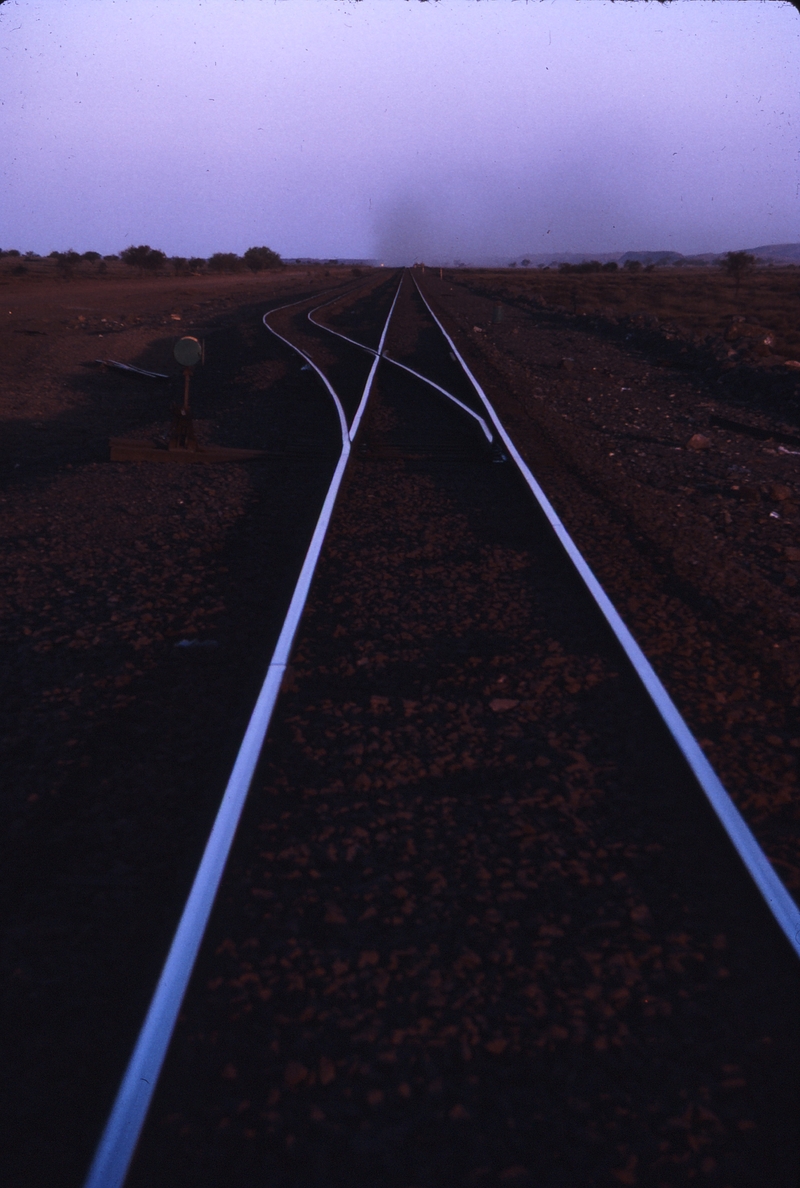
x=398, y=130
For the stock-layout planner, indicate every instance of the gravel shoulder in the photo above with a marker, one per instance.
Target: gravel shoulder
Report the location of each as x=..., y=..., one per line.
x=696, y=547
x=140, y=605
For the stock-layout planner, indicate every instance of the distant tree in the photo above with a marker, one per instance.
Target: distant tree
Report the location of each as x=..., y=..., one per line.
x=32, y=256
x=649, y=267
x=197, y=264
x=110, y=258
x=92, y=257
x=565, y=267
x=143, y=257
x=225, y=262
x=526, y=263
x=11, y=252
x=610, y=266
x=738, y=265
x=259, y=259
x=513, y=264
x=180, y=264
x=633, y=265
x=67, y=262
x=52, y=256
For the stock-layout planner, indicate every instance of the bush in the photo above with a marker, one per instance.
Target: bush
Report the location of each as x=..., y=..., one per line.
x=66, y=263
x=180, y=264
x=259, y=259
x=633, y=266
x=92, y=257
x=738, y=265
x=197, y=264
x=610, y=266
x=143, y=257
x=18, y=270
x=225, y=262
x=110, y=257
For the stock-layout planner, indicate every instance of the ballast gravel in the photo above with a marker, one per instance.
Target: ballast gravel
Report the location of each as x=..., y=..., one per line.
x=467, y=935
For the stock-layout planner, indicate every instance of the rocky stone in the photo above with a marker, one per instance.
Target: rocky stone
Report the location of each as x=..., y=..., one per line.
x=779, y=492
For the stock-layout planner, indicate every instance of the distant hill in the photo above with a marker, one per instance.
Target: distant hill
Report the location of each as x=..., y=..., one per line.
x=779, y=253
x=774, y=253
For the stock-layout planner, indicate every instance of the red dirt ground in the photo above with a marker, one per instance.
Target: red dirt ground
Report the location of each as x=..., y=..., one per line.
x=108, y=566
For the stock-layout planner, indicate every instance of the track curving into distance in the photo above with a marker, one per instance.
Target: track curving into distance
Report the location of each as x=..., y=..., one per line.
x=121, y=1134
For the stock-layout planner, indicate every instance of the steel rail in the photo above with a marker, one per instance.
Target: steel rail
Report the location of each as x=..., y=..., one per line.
x=780, y=903
x=471, y=412
x=487, y=431
x=376, y=353
x=121, y=1134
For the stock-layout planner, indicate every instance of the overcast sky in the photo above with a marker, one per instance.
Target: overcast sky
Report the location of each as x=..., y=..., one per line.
x=396, y=129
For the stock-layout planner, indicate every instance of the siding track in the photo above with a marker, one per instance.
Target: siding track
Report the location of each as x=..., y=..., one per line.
x=480, y=923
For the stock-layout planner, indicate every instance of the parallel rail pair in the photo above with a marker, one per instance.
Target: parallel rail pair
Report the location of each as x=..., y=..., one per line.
x=121, y=1134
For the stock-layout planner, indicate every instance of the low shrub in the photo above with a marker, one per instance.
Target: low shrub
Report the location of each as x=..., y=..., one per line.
x=259, y=259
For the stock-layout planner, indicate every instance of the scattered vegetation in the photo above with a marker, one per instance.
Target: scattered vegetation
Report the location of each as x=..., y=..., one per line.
x=66, y=262
x=738, y=265
x=143, y=257
x=225, y=262
x=259, y=259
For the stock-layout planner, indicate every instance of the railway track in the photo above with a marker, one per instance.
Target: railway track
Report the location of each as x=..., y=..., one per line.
x=488, y=917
